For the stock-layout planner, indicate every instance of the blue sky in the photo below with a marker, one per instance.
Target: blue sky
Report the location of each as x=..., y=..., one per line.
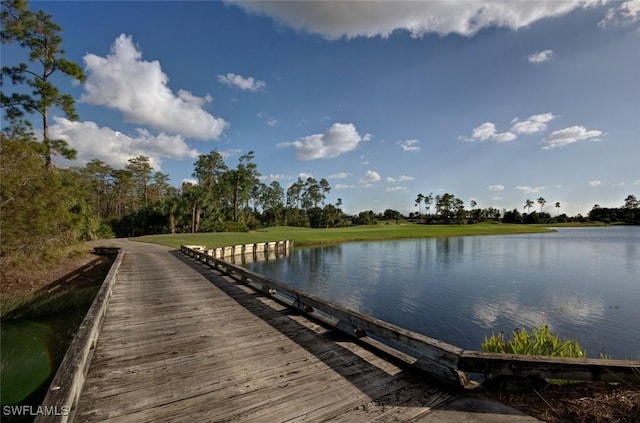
x=492, y=101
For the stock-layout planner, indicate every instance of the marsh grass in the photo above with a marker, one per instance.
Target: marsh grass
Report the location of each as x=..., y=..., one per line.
x=541, y=341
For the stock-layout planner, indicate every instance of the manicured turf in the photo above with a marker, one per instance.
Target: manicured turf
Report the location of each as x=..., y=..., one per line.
x=309, y=236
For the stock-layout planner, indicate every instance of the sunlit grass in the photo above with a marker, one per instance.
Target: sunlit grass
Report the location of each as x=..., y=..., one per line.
x=309, y=236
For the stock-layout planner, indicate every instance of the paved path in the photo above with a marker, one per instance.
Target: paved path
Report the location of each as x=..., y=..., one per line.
x=181, y=342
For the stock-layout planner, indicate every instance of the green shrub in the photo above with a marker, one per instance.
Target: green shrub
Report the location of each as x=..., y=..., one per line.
x=105, y=232
x=541, y=341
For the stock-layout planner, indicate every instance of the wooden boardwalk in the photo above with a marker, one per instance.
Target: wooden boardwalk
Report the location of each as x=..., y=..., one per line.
x=181, y=342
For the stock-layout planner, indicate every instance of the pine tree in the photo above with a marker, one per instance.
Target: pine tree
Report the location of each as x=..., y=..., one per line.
x=41, y=37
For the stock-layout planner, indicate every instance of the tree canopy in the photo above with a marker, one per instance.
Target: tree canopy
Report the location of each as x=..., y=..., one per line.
x=40, y=36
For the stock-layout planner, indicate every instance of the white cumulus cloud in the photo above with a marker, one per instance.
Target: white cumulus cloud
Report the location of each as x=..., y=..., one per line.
x=270, y=120
x=394, y=189
x=487, y=132
x=626, y=13
x=340, y=138
x=532, y=124
x=114, y=148
x=123, y=81
x=344, y=186
x=369, y=177
x=238, y=81
x=541, y=56
x=595, y=183
x=339, y=175
x=273, y=177
x=401, y=178
x=351, y=19
x=569, y=136
x=530, y=190
x=409, y=145
x=496, y=187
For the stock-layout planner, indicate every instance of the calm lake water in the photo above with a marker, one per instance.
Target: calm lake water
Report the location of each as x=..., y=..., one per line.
x=583, y=282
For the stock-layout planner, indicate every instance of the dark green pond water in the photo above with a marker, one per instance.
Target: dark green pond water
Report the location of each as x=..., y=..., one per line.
x=31, y=351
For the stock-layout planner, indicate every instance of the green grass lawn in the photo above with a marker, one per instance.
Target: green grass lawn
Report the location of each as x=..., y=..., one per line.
x=309, y=236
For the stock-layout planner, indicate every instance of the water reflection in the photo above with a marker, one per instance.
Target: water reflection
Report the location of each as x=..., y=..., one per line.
x=487, y=314
x=572, y=309
x=578, y=310
x=583, y=282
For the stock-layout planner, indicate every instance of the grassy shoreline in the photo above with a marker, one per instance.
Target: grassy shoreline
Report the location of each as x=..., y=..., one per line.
x=310, y=236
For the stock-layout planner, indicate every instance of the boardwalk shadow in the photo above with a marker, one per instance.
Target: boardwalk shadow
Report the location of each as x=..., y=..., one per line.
x=75, y=289
x=406, y=388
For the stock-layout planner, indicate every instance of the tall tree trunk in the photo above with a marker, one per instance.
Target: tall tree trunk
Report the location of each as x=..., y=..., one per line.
x=45, y=140
x=172, y=222
x=193, y=219
x=235, y=198
x=198, y=209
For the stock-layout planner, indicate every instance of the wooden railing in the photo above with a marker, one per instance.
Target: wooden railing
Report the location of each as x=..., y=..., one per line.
x=255, y=250
x=444, y=361
x=67, y=384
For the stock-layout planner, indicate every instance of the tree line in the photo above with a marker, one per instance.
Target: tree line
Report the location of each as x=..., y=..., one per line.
x=628, y=213
x=138, y=200
x=450, y=209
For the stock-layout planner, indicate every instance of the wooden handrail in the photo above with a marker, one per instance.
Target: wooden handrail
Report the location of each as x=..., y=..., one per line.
x=444, y=361
x=67, y=384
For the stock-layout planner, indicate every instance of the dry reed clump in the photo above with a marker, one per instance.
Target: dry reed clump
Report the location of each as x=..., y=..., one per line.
x=586, y=402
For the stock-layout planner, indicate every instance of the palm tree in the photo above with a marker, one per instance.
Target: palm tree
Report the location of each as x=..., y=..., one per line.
x=428, y=200
x=419, y=203
x=542, y=202
x=170, y=205
x=325, y=188
x=528, y=204
x=558, y=207
x=194, y=197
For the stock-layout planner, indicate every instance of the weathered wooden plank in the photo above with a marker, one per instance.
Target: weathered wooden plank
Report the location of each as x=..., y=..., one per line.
x=225, y=388
x=265, y=376
x=207, y=367
x=177, y=344
x=409, y=403
x=244, y=402
x=327, y=404
x=550, y=367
